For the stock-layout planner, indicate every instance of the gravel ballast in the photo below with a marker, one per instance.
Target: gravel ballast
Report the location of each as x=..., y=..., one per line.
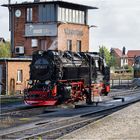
x=121, y=125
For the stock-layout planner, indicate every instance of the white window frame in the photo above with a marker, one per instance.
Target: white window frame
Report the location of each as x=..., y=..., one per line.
x=63, y=14
x=77, y=16
x=34, y=43
x=29, y=16
x=19, y=76
x=74, y=16
x=67, y=15
x=70, y=15
x=69, y=45
x=79, y=45
x=83, y=17
x=59, y=14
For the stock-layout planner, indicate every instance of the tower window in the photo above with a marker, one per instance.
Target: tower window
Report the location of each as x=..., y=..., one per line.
x=29, y=14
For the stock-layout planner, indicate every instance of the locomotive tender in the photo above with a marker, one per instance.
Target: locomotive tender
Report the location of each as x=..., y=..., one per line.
x=61, y=77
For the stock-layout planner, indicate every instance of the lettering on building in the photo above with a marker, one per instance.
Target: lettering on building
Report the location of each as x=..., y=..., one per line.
x=73, y=32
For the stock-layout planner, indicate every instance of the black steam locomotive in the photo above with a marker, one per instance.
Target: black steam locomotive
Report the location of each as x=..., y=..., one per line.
x=57, y=77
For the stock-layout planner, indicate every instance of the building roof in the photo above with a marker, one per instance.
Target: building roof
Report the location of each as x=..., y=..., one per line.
x=15, y=59
x=60, y=3
x=118, y=52
x=133, y=53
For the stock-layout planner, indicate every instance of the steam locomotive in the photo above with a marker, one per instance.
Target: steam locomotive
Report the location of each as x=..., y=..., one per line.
x=60, y=77
x=136, y=67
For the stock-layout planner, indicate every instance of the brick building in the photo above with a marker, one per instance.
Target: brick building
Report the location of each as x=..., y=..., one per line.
x=14, y=74
x=42, y=25
x=120, y=59
x=131, y=54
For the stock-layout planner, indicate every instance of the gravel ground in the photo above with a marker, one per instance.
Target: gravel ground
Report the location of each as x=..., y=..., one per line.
x=121, y=125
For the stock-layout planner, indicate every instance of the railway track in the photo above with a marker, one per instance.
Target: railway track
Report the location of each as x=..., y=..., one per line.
x=58, y=128
x=24, y=108
x=21, y=116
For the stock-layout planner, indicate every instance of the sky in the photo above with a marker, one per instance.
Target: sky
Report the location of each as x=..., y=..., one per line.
x=117, y=21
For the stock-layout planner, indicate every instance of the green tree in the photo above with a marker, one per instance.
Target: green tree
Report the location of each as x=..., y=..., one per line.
x=5, y=50
x=110, y=59
x=105, y=53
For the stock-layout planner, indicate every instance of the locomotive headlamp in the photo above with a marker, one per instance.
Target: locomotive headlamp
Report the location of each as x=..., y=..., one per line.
x=30, y=82
x=40, y=52
x=47, y=82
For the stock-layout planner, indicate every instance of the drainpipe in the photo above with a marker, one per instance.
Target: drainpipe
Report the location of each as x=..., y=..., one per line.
x=6, y=64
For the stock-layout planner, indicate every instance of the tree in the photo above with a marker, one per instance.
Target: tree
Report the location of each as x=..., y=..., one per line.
x=105, y=53
x=5, y=50
x=110, y=59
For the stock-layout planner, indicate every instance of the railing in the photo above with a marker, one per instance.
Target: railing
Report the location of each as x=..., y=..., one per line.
x=121, y=80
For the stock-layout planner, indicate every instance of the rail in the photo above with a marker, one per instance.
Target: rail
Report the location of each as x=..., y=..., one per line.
x=61, y=127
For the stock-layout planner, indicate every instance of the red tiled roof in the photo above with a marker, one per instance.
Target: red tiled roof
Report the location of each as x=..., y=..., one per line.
x=133, y=53
x=118, y=52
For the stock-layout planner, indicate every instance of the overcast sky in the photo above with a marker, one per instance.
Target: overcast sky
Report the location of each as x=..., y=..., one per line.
x=118, y=23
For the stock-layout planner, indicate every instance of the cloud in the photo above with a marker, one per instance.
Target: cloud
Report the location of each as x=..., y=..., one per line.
x=118, y=23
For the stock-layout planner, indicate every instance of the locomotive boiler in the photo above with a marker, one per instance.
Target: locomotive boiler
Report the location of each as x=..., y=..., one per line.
x=57, y=77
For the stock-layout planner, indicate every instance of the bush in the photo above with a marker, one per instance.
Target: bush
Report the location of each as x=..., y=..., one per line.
x=5, y=50
x=128, y=68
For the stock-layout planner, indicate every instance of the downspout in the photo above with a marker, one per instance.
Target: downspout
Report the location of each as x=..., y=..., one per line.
x=11, y=28
x=6, y=77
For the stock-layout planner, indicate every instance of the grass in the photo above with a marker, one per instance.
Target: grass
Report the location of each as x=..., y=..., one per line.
x=10, y=100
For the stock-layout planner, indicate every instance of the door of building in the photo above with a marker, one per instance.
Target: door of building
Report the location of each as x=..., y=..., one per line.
x=12, y=86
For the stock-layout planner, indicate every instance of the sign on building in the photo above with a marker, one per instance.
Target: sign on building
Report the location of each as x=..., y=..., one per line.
x=40, y=30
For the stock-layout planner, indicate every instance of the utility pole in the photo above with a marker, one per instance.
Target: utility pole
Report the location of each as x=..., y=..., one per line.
x=123, y=55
